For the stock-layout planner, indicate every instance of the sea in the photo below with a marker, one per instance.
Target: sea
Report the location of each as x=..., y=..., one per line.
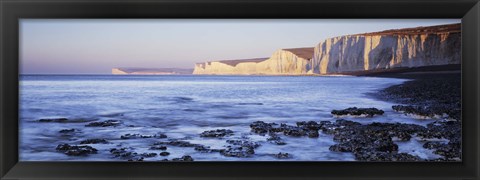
x=183, y=106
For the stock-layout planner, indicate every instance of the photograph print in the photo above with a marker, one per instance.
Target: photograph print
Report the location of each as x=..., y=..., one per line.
x=167, y=90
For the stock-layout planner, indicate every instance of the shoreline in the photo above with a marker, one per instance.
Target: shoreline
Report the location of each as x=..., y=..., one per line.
x=435, y=95
x=377, y=141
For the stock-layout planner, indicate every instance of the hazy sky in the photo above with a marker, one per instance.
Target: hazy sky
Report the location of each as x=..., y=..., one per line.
x=97, y=46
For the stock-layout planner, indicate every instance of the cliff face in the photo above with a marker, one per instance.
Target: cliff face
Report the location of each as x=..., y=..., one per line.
x=413, y=47
x=409, y=47
x=283, y=61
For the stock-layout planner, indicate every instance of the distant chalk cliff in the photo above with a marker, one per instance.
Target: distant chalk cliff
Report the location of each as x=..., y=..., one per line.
x=409, y=47
x=151, y=71
x=283, y=61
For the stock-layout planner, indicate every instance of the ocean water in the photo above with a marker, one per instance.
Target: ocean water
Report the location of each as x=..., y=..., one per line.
x=184, y=106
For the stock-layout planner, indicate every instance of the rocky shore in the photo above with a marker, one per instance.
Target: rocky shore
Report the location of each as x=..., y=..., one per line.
x=434, y=97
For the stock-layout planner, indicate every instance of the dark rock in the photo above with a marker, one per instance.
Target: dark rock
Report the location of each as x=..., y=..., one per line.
x=217, y=133
x=354, y=111
x=421, y=111
x=53, y=120
x=385, y=156
x=432, y=145
x=161, y=136
x=232, y=151
x=343, y=122
x=148, y=155
x=343, y=147
x=177, y=143
x=164, y=153
x=158, y=147
x=261, y=127
x=94, y=141
x=275, y=139
x=136, y=159
x=103, y=123
x=205, y=149
x=282, y=155
x=310, y=125
x=313, y=133
x=244, y=143
x=183, y=158
x=293, y=131
x=66, y=131
x=401, y=136
x=328, y=127
x=76, y=150
x=123, y=153
x=135, y=136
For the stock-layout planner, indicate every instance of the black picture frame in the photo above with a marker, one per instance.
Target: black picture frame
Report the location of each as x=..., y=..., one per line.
x=13, y=10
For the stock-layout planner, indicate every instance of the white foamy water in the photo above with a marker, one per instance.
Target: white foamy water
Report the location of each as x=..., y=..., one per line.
x=185, y=106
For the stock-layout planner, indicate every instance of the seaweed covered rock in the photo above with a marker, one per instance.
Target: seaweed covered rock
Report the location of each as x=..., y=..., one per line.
x=94, y=141
x=275, y=139
x=123, y=153
x=217, y=133
x=65, y=131
x=281, y=155
x=71, y=150
x=310, y=125
x=183, y=158
x=372, y=141
x=309, y=129
x=244, y=143
x=158, y=147
x=178, y=143
x=238, y=151
x=420, y=112
x=148, y=155
x=164, y=153
x=385, y=156
x=104, y=123
x=135, y=136
x=53, y=120
x=293, y=131
x=239, y=148
x=261, y=127
x=205, y=149
x=354, y=111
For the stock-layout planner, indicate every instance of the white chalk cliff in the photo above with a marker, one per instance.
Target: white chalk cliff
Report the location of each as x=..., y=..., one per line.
x=150, y=71
x=283, y=61
x=409, y=47
x=412, y=47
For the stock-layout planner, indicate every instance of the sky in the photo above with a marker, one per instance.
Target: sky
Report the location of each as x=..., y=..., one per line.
x=95, y=46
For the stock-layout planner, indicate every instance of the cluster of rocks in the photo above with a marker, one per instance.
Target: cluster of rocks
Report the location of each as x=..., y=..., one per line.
x=354, y=111
x=371, y=142
x=303, y=128
x=437, y=97
x=422, y=112
x=239, y=148
x=73, y=150
x=161, y=148
x=433, y=95
x=125, y=153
